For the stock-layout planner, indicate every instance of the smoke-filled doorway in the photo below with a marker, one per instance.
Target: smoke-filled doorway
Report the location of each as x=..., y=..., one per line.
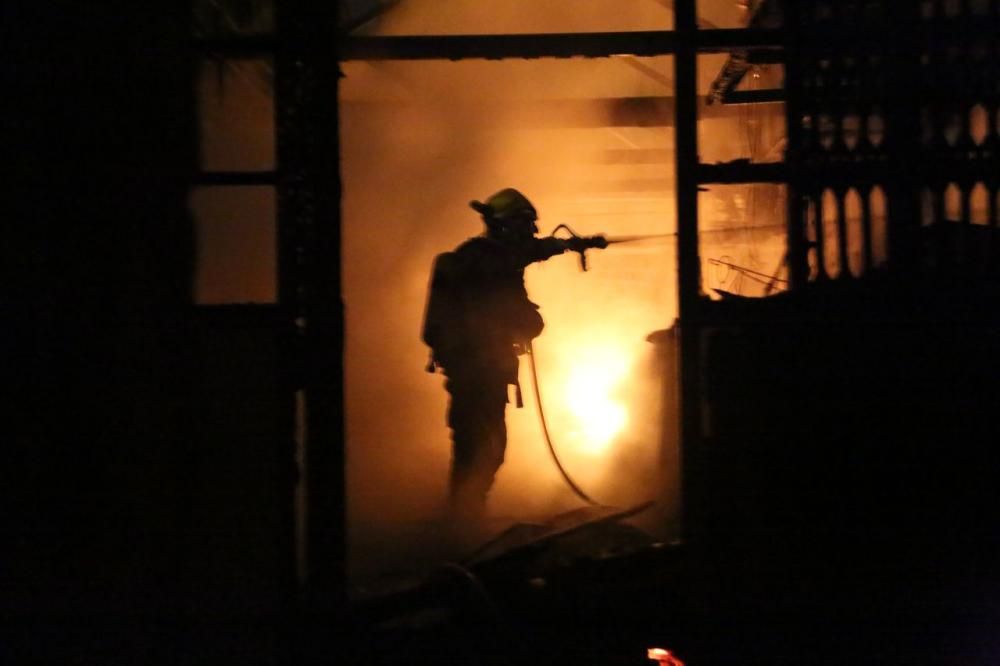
x=590, y=142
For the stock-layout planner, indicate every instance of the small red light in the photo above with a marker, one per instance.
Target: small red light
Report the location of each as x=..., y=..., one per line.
x=664, y=657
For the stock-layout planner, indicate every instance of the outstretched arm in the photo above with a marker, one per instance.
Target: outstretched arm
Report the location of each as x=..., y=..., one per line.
x=550, y=246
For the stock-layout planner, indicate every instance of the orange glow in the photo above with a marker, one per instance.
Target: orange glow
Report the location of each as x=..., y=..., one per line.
x=593, y=415
x=664, y=657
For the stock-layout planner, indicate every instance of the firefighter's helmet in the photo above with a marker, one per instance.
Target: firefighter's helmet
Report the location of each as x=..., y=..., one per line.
x=505, y=205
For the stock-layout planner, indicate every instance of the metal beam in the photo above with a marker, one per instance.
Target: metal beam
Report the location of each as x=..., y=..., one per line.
x=741, y=172
x=689, y=268
x=493, y=47
x=724, y=40
x=550, y=45
x=766, y=44
x=796, y=255
x=764, y=96
x=552, y=113
x=307, y=81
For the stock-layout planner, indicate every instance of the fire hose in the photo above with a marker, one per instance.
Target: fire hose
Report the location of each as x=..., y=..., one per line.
x=548, y=438
x=587, y=242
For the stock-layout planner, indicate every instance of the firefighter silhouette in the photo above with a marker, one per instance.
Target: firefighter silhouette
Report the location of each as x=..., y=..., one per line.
x=478, y=320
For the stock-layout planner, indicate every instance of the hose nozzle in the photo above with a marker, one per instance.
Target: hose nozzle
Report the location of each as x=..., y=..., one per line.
x=580, y=244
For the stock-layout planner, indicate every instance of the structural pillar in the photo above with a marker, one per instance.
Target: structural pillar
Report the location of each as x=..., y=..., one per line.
x=688, y=261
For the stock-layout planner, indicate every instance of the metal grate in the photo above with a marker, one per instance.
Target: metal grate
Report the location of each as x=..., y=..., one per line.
x=901, y=105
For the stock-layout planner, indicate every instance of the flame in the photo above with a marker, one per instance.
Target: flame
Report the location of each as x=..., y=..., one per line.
x=595, y=416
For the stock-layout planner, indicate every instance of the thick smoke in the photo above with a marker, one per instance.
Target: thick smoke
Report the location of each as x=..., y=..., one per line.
x=420, y=140
x=591, y=142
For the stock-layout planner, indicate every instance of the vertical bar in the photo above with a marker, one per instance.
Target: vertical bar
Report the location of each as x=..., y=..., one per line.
x=864, y=148
x=820, y=228
x=836, y=107
x=798, y=261
x=962, y=251
x=965, y=188
x=939, y=213
x=866, y=227
x=310, y=271
x=902, y=141
x=994, y=225
x=688, y=262
x=938, y=250
x=991, y=142
x=840, y=193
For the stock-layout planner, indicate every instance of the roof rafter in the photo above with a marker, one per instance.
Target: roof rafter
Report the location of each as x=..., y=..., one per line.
x=551, y=45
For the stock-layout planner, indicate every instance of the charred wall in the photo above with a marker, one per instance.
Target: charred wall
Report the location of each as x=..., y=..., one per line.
x=106, y=440
x=847, y=468
x=843, y=488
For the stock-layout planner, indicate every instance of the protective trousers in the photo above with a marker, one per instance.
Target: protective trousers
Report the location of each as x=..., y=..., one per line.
x=479, y=435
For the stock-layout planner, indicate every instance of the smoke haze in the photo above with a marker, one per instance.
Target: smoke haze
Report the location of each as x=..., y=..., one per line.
x=591, y=143
x=420, y=140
